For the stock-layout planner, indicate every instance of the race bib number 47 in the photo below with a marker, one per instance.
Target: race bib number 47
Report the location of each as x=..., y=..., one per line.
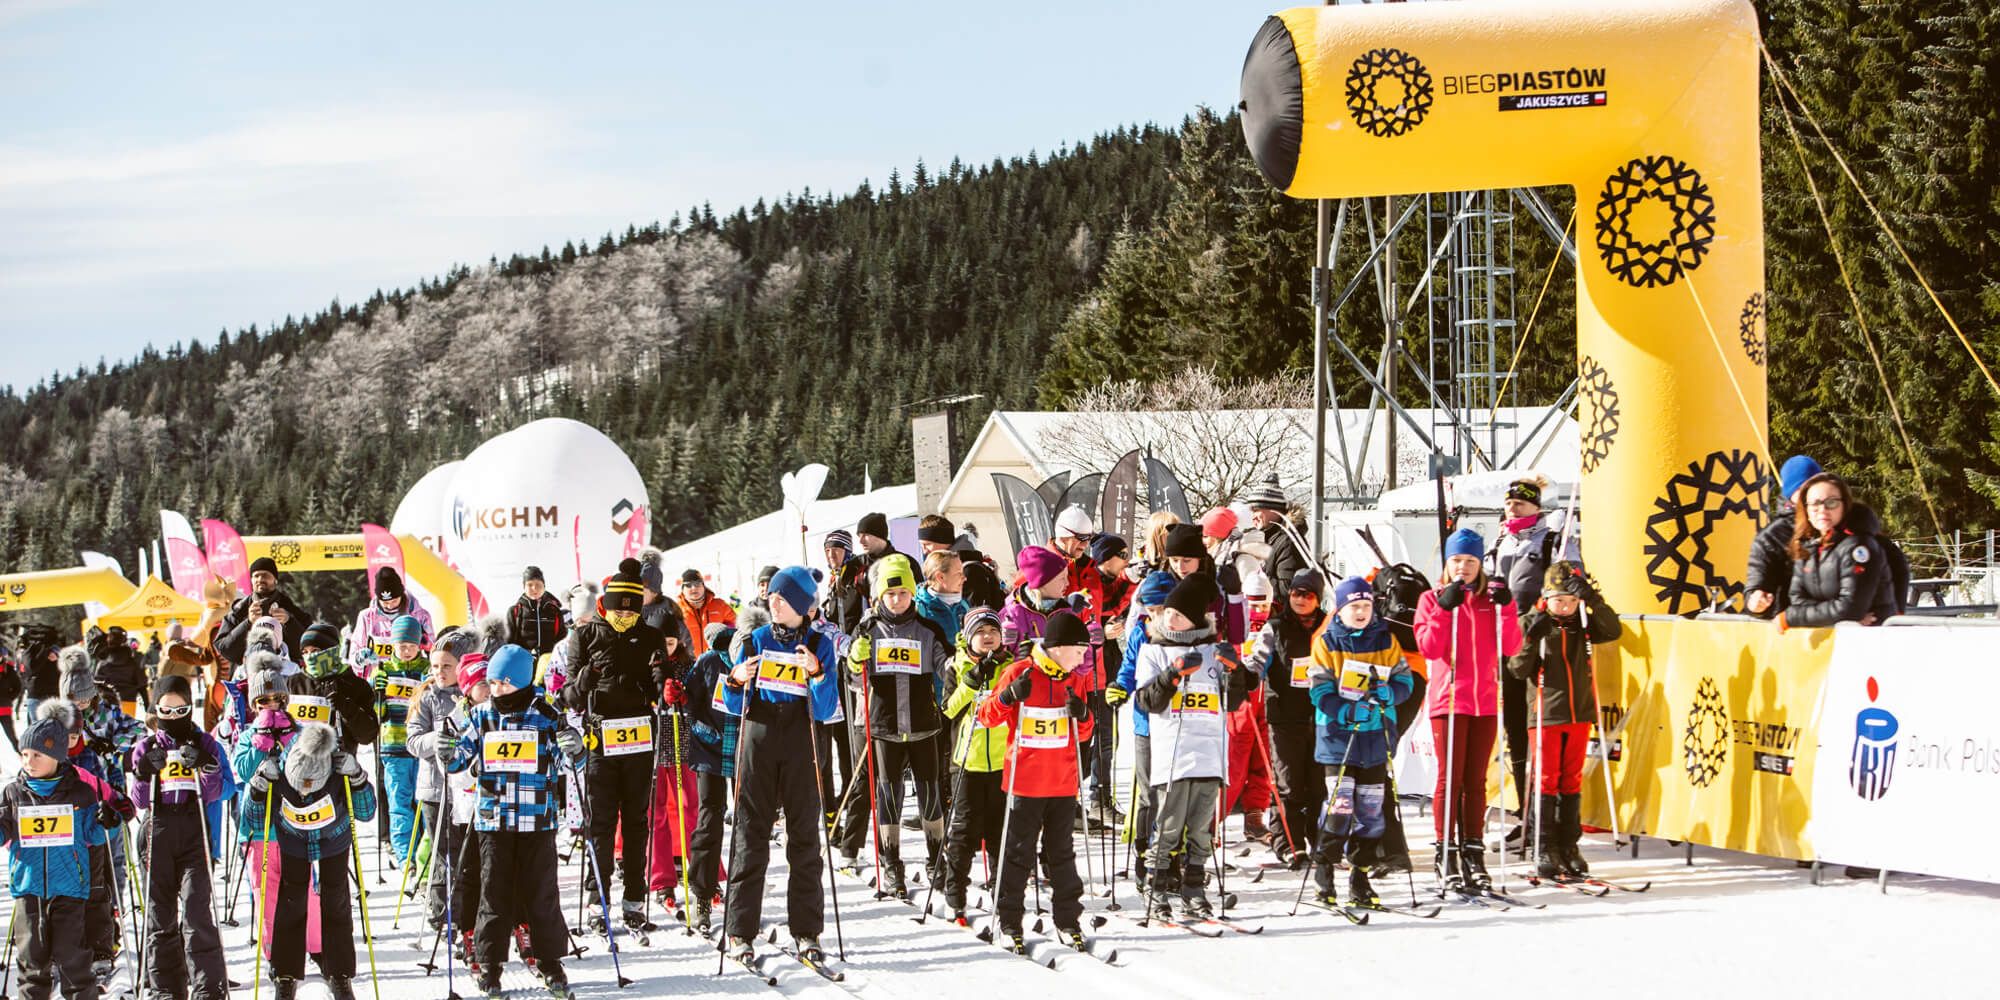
x=46, y=826
x=306, y=708
x=783, y=673
x=509, y=750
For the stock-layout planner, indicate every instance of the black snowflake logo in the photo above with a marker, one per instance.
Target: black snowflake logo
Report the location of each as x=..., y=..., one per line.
x=285, y=552
x=1716, y=498
x=1705, y=741
x=1364, y=85
x=1751, y=328
x=1600, y=413
x=1659, y=263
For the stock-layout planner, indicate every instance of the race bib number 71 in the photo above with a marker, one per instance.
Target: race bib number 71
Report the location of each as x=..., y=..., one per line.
x=784, y=673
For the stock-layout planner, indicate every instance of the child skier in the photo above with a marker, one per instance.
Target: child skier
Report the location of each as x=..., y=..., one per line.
x=301, y=799
x=1147, y=598
x=395, y=681
x=370, y=644
x=978, y=793
x=1555, y=658
x=778, y=687
x=1184, y=677
x=898, y=658
x=1283, y=657
x=335, y=696
x=1456, y=627
x=1357, y=676
x=614, y=685
x=270, y=730
x=175, y=772
x=511, y=745
x=1041, y=703
x=50, y=815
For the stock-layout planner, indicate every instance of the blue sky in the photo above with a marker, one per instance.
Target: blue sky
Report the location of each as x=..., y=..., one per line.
x=168, y=170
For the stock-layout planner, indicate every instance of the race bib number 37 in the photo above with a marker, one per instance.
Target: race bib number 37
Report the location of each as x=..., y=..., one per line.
x=46, y=826
x=623, y=737
x=509, y=750
x=783, y=673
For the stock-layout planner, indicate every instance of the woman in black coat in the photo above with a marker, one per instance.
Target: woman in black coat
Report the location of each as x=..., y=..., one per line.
x=1841, y=567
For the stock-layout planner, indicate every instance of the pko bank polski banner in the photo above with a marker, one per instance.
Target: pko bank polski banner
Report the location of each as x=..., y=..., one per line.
x=1909, y=751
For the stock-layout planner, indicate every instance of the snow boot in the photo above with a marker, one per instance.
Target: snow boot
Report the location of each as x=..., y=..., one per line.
x=1011, y=939
x=558, y=987
x=1160, y=894
x=1548, y=839
x=808, y=949
x=698, y=916
x=891, y=882
x=521, y=945
x=635, y=916
x=1254, y=828
x=1569, y=826
x=489, y=984
x=1472, y=859
x=467, y=954
x=848, y=861
x=1194, y=893
x=1073, y=936
x=1325, y=870
x=342, y=987
x=284, y=987
x=741, y=949
x=1360, y=892
x=1445, y=863
x=594, y=924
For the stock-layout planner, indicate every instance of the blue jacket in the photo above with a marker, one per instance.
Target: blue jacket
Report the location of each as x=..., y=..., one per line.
x=950, y=617
x=713, y=750
x=513, y=801
x=1128, y=673
x=824, y=690
x=52, y=870
x=1359, y=728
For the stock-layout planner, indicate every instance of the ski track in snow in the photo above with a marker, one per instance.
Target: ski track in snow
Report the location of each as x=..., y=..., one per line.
x=1730, y=924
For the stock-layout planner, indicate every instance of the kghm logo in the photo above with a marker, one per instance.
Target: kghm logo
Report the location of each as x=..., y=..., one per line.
x=1388, y=92
x=1873, y=762
x=1705, y=742
x=466, y=518
x=1675, y=221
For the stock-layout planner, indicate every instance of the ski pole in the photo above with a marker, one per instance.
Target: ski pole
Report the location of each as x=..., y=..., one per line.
x=1447, y=841
x=681, y=825
x=1291, y=842
x=603, y=900
x=992, y=928
x=1076, y=754
x=263, y=899
x=367, y=930
x=826, y=840
x=132, y=912
x=381, y=826
x=7, y=963
x=1506, y=751
x=437, y=841
x=1540, y=748
x=1396, y=803
x=864, y=696
x=736, y=813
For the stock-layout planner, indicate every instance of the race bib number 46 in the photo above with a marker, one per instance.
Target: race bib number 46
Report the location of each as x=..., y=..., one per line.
x=311, y=816
x=1044, y=728
x=623, y=737
x=783, y=673
x=46, y=826
x=509, y=750
x=306, y=708
x=898, y=656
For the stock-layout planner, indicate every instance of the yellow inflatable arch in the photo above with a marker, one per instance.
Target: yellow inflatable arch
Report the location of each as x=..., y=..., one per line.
x=316, y=553
x=1649, y=110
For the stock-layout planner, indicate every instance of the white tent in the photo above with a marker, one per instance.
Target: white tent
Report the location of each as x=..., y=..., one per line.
x=730, y=558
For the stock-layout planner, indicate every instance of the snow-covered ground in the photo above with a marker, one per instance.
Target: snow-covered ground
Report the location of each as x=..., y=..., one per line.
x=1726, y=925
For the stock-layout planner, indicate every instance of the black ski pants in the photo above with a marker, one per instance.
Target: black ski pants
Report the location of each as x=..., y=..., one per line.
x=49, y=943
x=336, y=917
x=921, y=758
x=181, y=938
x=978, y=808
x=705, y=849
x=777, y=776
x=1051, y=822
x=620, y=790
x=1300, y=785
x=518, y=876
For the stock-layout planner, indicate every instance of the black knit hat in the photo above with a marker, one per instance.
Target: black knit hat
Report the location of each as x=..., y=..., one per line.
x=1184, y=541
x=1193, y=597
x=876, y=524
x=1525, y=489
x=264, y=564
x=319, y=635
x=388, y=583
x=532, y=574
x=1065, y=629
x=939, y=531
x=625, y=591
x=172, y=684
x=764, y=575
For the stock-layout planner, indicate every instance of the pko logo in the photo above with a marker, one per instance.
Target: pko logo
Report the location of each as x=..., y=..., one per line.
x=1873, y=762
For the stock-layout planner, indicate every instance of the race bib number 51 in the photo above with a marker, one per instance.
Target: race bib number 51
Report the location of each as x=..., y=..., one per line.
x=509, y=750
x=1044, y=728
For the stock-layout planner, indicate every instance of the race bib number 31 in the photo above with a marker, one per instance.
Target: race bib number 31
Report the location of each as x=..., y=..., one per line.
x=306, y=708
x=783, y=673
x=46, y=826
x=1044, y=728
x=311, y=816
x=898, y=656
x=509, y=750
x=623, y=737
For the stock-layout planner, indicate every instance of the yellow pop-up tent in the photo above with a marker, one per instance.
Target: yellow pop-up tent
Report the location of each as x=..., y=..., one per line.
x=151, y=608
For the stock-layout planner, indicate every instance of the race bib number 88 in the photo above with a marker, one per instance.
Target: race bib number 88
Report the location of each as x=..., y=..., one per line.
x=306, y=708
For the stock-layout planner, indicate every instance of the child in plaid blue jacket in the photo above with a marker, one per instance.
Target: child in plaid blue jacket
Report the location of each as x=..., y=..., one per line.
x=511, y=745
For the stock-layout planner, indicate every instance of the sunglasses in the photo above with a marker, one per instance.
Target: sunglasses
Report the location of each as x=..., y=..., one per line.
x=176, y=712
x=270, y=701
x=1830, y=503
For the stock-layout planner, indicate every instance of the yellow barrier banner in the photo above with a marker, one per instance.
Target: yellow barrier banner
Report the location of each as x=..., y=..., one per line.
x=1712, y=732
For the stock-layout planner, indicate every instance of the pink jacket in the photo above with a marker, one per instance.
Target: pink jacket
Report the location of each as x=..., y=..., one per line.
x=1470, y=663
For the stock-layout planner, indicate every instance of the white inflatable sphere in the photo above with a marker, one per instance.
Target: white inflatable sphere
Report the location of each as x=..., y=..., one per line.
x=555, y=493
x=420, y=514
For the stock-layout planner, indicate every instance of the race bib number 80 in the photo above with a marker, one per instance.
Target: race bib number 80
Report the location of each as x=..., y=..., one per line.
x=311, y=816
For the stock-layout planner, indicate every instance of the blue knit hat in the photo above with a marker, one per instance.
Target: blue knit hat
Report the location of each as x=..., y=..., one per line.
x=797, y=587
x=512, y=664
x=1155, y=587
x=406, y=628
x=1793, y=474
x=1352, y=589
x=1465, y=542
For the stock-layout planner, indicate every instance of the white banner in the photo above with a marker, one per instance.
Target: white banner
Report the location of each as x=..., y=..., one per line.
x=1908, y=776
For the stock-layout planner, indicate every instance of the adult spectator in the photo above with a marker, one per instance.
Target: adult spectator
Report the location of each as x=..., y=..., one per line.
x=850, y=591
x=941, y=597
x=1270, y=510
x=1531, y=540
x=763, y=598
x=370, y=642
x=700, y=608
x=265, y=600
x=536, y=622
x=116, y=665
x=659, y=611
x=1841, y=568
x=1767, y=586
x=935, y=533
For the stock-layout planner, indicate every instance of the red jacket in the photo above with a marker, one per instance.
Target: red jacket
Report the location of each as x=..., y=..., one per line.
x=1109, y=601
x=1047, y=770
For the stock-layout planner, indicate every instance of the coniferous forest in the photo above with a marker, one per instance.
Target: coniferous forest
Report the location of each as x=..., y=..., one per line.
x=722, y=349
